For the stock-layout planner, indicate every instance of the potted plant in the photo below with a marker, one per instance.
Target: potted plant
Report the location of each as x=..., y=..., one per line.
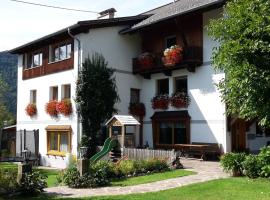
x=172, y=55
x=137, y=109
x=233, y=162
x=31, y=109
x=146, y=60
x=51, y=108
x=64, y=107
x=180, y=100
x=160, y=102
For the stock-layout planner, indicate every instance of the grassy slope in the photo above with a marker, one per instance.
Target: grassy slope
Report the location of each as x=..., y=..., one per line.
x=151, y=178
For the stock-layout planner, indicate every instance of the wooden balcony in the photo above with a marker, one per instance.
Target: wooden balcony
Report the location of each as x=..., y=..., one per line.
x=192, y=58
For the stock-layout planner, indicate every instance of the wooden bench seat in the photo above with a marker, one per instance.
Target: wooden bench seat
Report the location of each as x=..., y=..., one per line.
x=211, y=150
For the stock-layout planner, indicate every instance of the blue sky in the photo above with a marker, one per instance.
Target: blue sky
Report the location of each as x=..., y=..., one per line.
x=22, y=23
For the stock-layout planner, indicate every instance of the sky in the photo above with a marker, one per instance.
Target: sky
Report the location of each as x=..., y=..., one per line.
x=21, y=23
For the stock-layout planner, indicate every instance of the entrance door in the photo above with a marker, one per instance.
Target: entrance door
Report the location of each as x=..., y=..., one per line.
x=239, y=135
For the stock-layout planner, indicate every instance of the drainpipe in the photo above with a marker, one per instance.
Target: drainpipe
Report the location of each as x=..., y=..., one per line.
x=79, y=69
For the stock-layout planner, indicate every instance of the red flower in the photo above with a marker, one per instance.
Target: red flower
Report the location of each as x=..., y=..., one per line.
x=137, y=109
x=31, y=109
x=180, y=100
x=50, y=108
x=146, y=60
x=160, y=102
x=64, y=107
x=172, y=55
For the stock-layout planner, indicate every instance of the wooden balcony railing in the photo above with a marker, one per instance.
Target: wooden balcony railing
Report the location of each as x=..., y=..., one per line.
x=192, y=58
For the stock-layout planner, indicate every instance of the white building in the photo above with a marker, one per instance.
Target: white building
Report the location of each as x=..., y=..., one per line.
x=44, y=74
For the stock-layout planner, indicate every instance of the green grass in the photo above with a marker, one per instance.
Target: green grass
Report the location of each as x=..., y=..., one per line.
x=50, y=173
x=151, y=178
x=225, y=189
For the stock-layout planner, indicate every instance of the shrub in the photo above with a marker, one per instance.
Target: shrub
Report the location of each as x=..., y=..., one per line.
x=264, y=158
x=156, y=165
x=33, y=183
x=106, y=166
x=252, y=166
x=8, y=181
x=232, y=162
x=126, y=167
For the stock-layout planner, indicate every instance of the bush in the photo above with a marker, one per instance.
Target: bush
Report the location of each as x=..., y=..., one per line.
x=252, y=166
x=33, y=183
x=264, y=158
x=106, y=166
x=232, y=162
x=8, y=181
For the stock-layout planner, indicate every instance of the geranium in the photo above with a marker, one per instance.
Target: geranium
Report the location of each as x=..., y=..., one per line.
x=64, y=107
x=180, y=100
x=137, y=109
x=51, y=108
x=160, y=102
x=146, y=59
x=173, y=55
x=31, y=109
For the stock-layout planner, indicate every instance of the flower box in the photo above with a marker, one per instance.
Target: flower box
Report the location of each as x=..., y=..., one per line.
x=31, y=109
x=180, y=100
x=64, y=107
x=146, y=60
x=51, y=108
x=137, y=109
x=160, y=102
x=172, y=55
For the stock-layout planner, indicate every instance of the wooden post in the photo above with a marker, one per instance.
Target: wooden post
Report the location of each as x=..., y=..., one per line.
x=141, y=131
x=83, y=166
x=110, y=131
x=22, y=169
x=123, y=135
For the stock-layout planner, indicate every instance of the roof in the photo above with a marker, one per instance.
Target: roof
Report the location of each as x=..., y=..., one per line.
x=79, y=27
x=174, y=9
x=10, y=127
x=124, y=120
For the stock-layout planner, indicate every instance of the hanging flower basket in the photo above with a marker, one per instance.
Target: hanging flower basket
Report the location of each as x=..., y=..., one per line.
x=137, y=109
x=146, y=60
x=160, y=102
x=64, y=107
x=31, y=109
x=51, y=108
x=180, y=100
x=172, y=55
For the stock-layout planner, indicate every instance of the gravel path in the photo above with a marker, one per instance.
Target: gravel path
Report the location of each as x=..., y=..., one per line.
x=205, y=171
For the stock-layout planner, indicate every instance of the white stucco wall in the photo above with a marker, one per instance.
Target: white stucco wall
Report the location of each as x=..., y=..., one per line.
x=42, y=120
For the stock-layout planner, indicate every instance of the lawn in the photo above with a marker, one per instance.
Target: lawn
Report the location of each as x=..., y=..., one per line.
x=151, y=178
x=51, y=174
x=225, y=189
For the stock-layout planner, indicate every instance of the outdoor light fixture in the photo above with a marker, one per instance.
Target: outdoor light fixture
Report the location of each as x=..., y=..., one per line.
x=26, y=155
x=83, y=152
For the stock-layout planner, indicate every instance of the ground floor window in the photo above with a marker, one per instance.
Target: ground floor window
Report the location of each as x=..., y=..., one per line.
x=58, y=140
x=171, y=128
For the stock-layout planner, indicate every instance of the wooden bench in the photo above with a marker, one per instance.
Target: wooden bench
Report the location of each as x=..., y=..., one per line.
x=211, y=150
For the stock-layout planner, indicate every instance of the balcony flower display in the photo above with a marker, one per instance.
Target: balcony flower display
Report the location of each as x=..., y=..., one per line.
x=172, y=55
x=180, y=100
x=64, y=107
x=51, y=108
x=146, y=60
x=31, y=109
x=137, y=109
x=160, y=102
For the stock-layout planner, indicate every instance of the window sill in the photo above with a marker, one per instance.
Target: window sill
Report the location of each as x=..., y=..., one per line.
x=52, y=62
x=56, y=153
x=26, y=69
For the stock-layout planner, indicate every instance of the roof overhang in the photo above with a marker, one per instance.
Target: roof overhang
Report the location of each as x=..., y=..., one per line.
x=124, y=120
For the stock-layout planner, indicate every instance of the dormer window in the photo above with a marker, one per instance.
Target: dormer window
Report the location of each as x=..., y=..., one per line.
x=61, y=52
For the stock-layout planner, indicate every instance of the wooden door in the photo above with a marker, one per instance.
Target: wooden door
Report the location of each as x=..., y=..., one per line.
x=239, y=136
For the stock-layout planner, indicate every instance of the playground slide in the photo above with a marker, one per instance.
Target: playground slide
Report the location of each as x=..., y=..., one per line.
x=107, y=147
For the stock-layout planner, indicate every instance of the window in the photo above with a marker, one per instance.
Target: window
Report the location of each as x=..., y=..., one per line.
x=33, y=96
x=260, y=131
x=163, y=86
x=170, y=41
x=54, y=93
x=180, y=84
x=134, y=96
x=58, y=142
x=172, y=133
x=33, y=60
x=61, y=52
x=66, y=91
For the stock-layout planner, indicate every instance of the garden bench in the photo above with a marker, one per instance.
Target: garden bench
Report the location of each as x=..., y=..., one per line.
x=212, y=150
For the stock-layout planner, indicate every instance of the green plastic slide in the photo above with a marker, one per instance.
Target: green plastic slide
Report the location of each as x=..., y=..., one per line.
x=107, y=147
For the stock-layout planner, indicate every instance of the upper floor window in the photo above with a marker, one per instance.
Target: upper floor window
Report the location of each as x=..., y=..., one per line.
x=33, y=96
x=180, y=84
x=170, y=41
x=163, y=86
x=61, y=52
x=66, y=90
x=134, y=95
x=33, y=60
x=54, y=93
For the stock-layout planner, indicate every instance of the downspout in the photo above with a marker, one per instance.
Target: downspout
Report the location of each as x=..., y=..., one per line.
x=79, y=70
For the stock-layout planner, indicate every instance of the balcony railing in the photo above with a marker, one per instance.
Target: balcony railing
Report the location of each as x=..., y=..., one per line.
x=192, y=57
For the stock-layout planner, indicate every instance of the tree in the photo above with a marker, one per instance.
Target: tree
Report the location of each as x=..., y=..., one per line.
x=96, y=96
x=244, y=55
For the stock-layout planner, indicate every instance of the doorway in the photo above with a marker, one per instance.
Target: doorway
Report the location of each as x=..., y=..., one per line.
x=239, y=135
